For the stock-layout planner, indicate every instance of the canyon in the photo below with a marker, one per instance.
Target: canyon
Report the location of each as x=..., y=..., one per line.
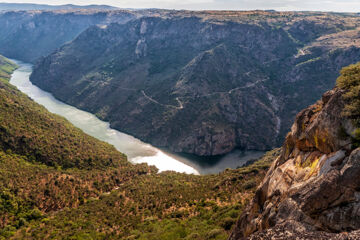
x=203, y=83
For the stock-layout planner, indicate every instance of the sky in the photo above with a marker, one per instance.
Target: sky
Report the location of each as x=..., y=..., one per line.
x=280, y=5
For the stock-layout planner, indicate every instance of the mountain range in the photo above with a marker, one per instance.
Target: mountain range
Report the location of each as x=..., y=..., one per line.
x=31, y=6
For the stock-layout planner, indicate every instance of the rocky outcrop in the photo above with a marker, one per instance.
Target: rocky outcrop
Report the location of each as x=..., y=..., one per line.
x=312, y=191
x=202, y=83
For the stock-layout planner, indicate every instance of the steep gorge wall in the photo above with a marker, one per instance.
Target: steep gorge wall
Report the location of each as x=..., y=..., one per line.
x=202, y=84
x=312, y=190
x=30, y=35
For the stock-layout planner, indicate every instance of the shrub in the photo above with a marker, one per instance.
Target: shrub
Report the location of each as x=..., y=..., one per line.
x=35, y=214
x=193, y=236
x=249, y=184
x=350, y=82
x=356, y=138
x=228, y=223
x=213, y=233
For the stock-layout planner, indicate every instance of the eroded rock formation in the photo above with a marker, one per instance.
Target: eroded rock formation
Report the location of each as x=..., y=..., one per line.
x=312, y=191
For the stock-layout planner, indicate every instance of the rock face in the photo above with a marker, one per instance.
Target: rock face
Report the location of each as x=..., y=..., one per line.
x=203, y=83
x=312, y=191
x=29, y=35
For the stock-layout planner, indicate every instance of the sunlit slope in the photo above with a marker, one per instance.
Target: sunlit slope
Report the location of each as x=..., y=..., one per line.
x=47, y=165
x=29, y=129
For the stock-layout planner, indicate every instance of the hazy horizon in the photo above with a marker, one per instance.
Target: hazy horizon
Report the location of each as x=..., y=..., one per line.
x=279, y=5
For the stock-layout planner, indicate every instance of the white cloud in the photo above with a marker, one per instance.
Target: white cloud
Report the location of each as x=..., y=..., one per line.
x=315, y=5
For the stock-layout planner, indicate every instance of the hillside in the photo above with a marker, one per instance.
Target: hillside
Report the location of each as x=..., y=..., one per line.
x=203, y=83
x=29, y=32
x=309, y=192
x=6, y=68
x=57, y=182
x=28, y=129
x=163, y=206
x=46, y=163
x=29, y=35
x=312, y=189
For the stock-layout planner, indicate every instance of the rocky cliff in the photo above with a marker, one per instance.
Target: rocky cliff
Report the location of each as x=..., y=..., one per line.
x=312, y=190
x=203, y=83
x=28, y=35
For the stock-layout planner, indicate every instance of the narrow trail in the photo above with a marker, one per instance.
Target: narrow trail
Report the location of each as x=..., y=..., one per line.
x=249, y=85
x=181, y=105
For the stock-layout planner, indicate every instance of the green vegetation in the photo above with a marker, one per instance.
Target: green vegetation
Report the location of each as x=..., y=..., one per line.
x=47, y=165
x=350, y=82
x=308, y=61
x=26, y=187
x=6, y=68
x=29, y=129
x=159, y=206
x=34, y=148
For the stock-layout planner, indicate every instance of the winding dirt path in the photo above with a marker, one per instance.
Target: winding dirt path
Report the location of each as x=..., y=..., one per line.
x=181, y=105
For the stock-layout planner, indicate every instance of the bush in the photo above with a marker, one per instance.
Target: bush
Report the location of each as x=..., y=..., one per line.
x=193, y=236
x=35, y=214
x=228, y=223
x=356, y=138
x=350, y=82
x=213, y=233
x=250, y=184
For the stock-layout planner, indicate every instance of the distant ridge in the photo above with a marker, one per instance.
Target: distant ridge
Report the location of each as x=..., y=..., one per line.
x=30, y=6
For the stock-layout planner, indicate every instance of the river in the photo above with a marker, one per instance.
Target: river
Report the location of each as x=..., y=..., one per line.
x=136, y=150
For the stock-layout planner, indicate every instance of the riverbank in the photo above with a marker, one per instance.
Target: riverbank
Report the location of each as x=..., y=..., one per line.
x=136, y=150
